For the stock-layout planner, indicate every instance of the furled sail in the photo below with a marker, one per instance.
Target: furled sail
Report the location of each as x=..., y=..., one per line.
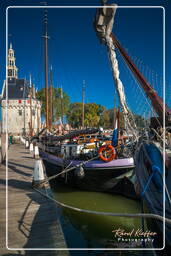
x=104, y=21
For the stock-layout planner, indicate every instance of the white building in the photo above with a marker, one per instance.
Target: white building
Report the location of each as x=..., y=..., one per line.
x=18, y=98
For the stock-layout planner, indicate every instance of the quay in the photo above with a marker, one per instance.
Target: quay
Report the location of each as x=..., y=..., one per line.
x=32, y=219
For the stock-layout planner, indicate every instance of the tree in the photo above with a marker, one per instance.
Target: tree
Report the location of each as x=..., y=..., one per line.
x=74, y=114
x=92, y=115
x=60, y=102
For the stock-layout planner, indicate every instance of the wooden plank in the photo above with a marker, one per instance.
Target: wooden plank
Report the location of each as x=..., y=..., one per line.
x=32, y=219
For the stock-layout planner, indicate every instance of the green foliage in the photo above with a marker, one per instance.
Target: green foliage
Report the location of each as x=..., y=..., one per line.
x=95, y=115
x=74, y=114
x=91, y=116
x=107, y=119
x=60, y=102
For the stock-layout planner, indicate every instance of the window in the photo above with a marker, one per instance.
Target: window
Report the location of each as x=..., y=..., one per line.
x=9, y=72
x=33, y=112
x=20, y=112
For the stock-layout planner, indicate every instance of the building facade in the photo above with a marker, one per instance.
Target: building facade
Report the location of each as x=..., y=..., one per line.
x=21, y=111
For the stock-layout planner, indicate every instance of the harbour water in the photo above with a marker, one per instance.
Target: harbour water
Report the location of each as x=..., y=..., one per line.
x=84, y=230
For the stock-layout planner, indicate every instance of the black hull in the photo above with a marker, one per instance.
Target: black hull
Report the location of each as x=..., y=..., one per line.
x=99, y=180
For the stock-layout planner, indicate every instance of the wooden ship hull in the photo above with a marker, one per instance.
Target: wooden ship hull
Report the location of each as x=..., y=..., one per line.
x=95, y=175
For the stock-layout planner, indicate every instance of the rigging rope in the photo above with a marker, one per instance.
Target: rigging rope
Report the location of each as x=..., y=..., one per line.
x=130, y=215
x=162, y=176
x=142, y=93
x=119, y=86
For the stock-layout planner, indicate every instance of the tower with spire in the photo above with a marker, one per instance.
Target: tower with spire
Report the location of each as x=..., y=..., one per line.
x=12, y=69
x=24, y=110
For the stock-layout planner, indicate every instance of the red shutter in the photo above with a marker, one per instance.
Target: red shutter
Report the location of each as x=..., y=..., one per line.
x=19, y=101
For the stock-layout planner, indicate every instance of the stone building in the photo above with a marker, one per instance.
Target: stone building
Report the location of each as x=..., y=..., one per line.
x=23, y=115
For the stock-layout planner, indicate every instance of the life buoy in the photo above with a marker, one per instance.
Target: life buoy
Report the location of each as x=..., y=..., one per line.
x=107, y=153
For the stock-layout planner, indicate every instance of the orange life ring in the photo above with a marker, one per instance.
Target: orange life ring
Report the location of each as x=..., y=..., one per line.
x=107, y=153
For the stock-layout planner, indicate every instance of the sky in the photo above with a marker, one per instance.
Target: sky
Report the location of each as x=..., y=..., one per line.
x=75, y=52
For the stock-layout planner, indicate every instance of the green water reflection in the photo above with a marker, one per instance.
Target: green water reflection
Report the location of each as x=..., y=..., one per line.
x=95, y=231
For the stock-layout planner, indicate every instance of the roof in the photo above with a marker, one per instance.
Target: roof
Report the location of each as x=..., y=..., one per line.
x=17, y=89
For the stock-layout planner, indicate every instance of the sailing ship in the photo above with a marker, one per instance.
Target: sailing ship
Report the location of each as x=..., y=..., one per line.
x=153, y=152
x=94, y=165
x=97, y=165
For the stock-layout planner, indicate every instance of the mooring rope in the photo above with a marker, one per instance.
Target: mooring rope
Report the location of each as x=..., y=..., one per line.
x=130, y=215
x=151, y=163
x=70, y=169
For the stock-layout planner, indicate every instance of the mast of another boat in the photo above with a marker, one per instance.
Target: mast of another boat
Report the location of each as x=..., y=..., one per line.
x=50, y=103
x=83, y=104
x=46, y=37
x=62, y=108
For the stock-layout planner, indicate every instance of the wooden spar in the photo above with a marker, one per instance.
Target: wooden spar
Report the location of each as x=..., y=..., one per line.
x=62, y=109
x=46, y=67
x=83, y=106
x=50, y=101
x=156, y=100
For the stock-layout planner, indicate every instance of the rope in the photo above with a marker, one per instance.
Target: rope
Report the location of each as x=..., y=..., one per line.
x=156, y=169
x=147, y=184
x=162, y=139
x=119, y=85
x=142, y=92
x=70, y=169
x=130, y=215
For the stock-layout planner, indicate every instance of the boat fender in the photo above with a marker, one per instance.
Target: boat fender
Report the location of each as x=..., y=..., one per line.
x=107, y=153
x=79, y=172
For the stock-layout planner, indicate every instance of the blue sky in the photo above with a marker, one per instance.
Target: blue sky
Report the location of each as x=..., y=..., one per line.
x=74, y=50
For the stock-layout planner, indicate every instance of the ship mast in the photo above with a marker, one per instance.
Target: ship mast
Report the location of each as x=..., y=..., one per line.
x=83, y=104
x=46, y=37
x=51, y=102
x=103, y=25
